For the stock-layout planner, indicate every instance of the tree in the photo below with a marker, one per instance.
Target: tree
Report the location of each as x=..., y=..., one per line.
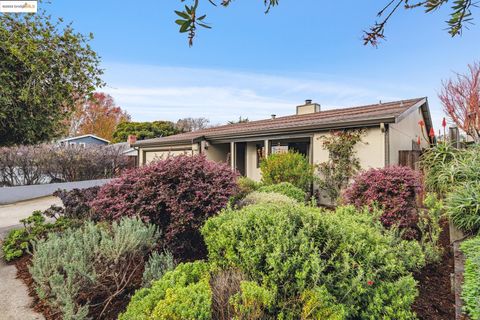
x=144, y=130
x=98, y=115
x=192, y=124
x=240, y=120
x=45, y=68
x=461, y=100
x=460, y=14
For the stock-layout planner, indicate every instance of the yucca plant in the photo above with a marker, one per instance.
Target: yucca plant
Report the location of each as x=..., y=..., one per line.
x=437, y=163
x=463, y=206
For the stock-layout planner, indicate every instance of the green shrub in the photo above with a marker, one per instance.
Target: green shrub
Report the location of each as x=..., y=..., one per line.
x=94, y=262
x=18, y=241
x=429, y=228
x=157, y=265
x=470, y=288
x=264, y=197
x=463, y=206
x=287, y=189
x=318, y=303
x=287, y=167
x=252, y=301
x=245, y=187
x=182, y=293
x=291, y=249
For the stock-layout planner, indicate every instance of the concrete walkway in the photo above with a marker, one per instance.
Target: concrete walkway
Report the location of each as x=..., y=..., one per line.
x=14, y=300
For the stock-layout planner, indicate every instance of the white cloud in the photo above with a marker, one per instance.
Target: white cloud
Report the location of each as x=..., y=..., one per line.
x=169, y=93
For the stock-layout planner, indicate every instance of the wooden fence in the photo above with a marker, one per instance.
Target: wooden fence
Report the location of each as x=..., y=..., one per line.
x=409, y=158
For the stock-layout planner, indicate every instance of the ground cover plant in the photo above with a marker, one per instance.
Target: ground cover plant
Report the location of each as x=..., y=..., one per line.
x=83, y=271
x=470, y=288
x=177, y=194
x=289, y=167
x=392, y=189
x=18, y=241
x=74, y=212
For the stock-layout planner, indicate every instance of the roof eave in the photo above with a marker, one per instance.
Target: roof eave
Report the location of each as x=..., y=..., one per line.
x=270, y=132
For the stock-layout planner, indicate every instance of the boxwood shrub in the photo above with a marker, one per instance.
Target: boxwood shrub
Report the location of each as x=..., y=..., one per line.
x=177, y=194
x=362, y=270
x=183, y=293
x=285, y=188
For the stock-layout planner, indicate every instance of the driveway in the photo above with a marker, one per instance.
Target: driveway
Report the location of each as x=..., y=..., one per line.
x=14, y=300
x=10, y=214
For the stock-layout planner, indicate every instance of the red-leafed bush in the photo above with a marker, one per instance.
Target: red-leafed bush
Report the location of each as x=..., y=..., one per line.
x=177, y=194
x=393, y=189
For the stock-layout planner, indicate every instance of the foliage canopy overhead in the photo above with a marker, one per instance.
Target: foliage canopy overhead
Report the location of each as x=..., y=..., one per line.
x=189, y=19
x=45, y=67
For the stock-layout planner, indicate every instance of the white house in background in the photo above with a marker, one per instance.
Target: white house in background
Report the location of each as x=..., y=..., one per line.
x=83, y=140
x=390, y=127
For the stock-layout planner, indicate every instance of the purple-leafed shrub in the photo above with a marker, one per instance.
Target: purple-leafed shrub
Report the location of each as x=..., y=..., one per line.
x=177, y=194
x=393, y=189
x=76, y=202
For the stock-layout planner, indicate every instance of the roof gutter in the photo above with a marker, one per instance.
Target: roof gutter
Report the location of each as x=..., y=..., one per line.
x=303, y=129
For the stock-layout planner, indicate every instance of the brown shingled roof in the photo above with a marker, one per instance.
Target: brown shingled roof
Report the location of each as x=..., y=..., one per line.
x=325, y=120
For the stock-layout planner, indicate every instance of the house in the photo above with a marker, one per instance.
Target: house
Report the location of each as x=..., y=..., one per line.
x=389, y=128
x=83, y=140
x=128, y=150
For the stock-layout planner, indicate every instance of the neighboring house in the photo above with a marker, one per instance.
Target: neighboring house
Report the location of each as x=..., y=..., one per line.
x=128, y=150
x=389, y=128
x=83, y=140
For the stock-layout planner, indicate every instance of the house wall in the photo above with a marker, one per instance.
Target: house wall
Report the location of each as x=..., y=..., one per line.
x=147, y=155
x=251, y=154
x=218, y=152
x=403, y=133
x=371, y=151
x=86, y=140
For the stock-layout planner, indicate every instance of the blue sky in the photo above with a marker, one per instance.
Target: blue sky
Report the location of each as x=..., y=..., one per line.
x=252, y=65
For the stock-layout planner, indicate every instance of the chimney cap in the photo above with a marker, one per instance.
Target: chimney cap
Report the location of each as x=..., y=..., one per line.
x=274, y=116
x=308, y=101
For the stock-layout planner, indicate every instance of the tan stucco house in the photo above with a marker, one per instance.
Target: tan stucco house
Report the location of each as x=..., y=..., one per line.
x=390, y=127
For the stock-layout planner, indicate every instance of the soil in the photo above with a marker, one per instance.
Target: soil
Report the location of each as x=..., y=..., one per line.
x=117, y=306
x=436, y=300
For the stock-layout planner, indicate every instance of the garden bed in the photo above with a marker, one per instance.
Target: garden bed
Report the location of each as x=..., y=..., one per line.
x=115, y=308
x=436, y=300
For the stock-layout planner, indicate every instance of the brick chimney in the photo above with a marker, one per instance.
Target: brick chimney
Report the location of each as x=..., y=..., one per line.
x=308, y=107
x=131, y=139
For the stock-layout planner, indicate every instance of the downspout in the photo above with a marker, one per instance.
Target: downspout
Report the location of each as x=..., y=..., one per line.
x=386, y=133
